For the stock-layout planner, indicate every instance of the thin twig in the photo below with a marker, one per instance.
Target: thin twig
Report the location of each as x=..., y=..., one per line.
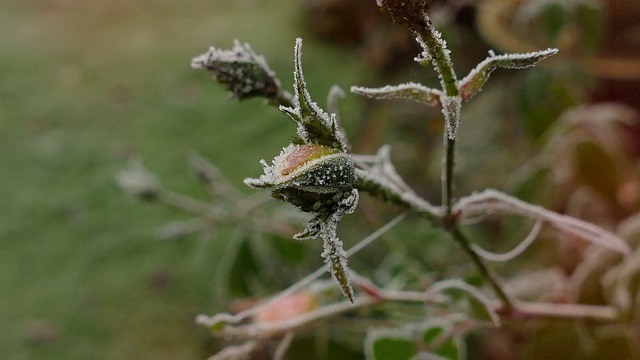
x=519, y=249
x=492, y=278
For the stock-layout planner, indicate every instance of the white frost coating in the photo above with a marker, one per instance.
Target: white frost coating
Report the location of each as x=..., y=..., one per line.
x=306, y=110
x=273, y=177
x=473, y=82
x=410, y=90
x=239, y=53
x=451, y=106
x=428, y=56
x=493, y=201
x=425, y=55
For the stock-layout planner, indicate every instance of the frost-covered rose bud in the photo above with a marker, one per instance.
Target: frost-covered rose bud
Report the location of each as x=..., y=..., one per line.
x=316, y=174
x=313, y=177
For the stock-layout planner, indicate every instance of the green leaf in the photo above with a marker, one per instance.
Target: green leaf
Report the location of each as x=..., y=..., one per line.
x=394, y=344
x=451, y=348
x=336, y=258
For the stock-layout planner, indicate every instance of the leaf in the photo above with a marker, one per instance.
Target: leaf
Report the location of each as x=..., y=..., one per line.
x=475, y=80
x=384, y=344
x=314, y=124
x=437, y=338
x=336, y=259
x=410, y=91
x=244, y=73
x=451, y=348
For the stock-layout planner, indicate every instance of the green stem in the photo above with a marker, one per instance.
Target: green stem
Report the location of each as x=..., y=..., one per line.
x=441, y=61
x=447, y=173
x=439, y=56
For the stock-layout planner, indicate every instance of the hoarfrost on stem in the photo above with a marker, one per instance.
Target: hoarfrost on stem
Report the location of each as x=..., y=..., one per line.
x=451, y=106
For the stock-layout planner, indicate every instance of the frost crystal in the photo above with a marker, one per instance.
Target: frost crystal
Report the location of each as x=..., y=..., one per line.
x=473, y=82
x=314, y=125
x=436, y=54
x=451, y=106
x=334, y=255
x=410, y=90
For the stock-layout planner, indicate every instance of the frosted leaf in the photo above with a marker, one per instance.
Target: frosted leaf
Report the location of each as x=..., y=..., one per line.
x=410, y=90
x=492, y=201
x=475, y=80
x=451, y=106
x=335, y=256
x=314, y=124
x=244, y=73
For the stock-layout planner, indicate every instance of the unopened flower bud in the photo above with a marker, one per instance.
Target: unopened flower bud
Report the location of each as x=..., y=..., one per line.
x=312, y=177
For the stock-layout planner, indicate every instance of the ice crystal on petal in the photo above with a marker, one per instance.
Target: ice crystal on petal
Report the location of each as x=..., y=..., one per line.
x=410, y=90
x=451, y=106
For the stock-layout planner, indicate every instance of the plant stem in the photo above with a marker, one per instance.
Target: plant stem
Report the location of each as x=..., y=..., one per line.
x=447, y=174
x=486, y=272
x=439, y=55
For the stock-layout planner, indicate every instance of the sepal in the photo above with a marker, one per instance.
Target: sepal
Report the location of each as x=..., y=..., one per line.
x=314, y=124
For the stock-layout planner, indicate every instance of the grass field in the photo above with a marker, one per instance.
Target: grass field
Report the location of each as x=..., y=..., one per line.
x=85, y=85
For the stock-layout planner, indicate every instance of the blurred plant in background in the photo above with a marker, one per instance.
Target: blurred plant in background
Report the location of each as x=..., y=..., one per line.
x=575, y=299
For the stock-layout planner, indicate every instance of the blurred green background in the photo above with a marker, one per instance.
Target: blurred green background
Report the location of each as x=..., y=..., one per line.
x=87, y=85
x=84, y=86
